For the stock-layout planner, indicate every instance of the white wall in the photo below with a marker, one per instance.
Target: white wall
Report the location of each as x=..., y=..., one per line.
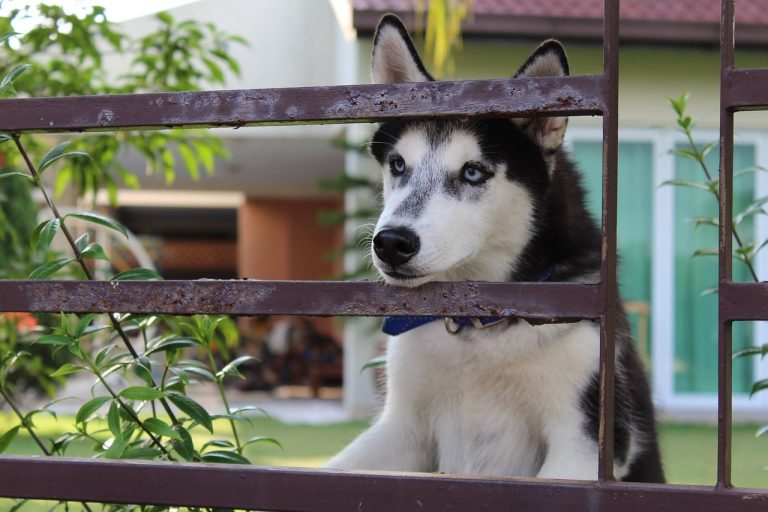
x=292, y=43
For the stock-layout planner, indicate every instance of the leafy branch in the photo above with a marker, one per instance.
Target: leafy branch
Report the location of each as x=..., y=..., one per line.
x=743, y=252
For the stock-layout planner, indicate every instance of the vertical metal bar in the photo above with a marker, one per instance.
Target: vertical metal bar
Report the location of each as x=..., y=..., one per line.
x=725, y=365
x=608, y=270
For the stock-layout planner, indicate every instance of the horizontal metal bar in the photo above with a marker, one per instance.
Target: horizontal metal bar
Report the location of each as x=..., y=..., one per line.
x=573, y=95
x=307, y=490
x=744, y=89
x=743, y=301
x=541, y=301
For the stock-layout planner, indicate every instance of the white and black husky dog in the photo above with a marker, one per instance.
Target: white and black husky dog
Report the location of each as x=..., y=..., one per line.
x=492, y=200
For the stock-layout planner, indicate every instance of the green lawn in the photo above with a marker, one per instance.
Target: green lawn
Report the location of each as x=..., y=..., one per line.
x=689, y=450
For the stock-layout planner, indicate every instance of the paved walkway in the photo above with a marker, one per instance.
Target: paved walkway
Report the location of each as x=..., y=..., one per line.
x=286, y=405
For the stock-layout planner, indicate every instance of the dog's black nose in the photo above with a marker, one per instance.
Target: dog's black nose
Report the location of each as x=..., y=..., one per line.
x=396, y=245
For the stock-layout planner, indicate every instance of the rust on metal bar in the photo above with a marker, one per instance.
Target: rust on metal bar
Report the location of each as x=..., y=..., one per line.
x=609, y=289
x=743, y=301
x=249, y=487
x=572, y=95
x=537, y=301
x=725, y=345
x=744, y=89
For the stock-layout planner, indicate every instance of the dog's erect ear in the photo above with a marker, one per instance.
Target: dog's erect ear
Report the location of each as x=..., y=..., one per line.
x=547, y=60
x=394, y=56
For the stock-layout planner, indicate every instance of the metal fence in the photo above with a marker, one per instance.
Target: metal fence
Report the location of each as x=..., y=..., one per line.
x=316, y=490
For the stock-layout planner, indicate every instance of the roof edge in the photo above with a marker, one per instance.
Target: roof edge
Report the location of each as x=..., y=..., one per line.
x=586, y=29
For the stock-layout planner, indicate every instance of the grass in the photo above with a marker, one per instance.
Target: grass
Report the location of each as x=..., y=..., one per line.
x=689, y=451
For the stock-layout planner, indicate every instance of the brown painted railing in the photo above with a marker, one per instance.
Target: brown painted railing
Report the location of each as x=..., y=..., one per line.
x=316, y=490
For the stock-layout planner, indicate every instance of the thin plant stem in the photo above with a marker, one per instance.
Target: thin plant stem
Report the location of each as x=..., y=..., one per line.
x=78, y=255
x=700, y=160
x=220, y=387
x=24, y=423
x=155, y=440
x=31, y=431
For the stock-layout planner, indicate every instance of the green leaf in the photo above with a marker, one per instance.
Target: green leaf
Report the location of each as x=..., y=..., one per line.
x=103, y=353
x=145, y=453
x=762, y=431
x=758, y=386
x=707, y=148
x=679, y=104
x=58, y=153
x=192, y=409
x=94, y=252
x=115, y=448
x=262, y=439
x=206, y=155
x=53, y=339
x=66, y=369
x=44, y=233
x=46, y=270
x=164, y=17
x=744, y=251
x=99, y=219
x=705, y=221
x=762, y=246
x=705, y=252
x=685, y=153
x=7, y=438
x=142, y=367
x=749, y=170
x=686, y=183
x=240, y=411
x=161, y=428
x=224, y=457
x=90, y=407
x=7, y=35
x=11, y=174
x=82, y=241
x=685, y=122
x=221, y=443
x=142, y=393
x=232, y=367
x=137, y=274
x=6, y=85
x=751, y=351
x=113, y=421
x=185, y=448
x=199, y=372
x=82, y=324
x=190, y=162
x=376, y=362
x=173, y=344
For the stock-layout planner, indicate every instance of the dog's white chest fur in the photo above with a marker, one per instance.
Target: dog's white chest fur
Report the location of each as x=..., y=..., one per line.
x=487, y=402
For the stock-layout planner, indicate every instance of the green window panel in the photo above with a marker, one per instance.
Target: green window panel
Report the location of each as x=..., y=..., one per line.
x=635, y=217
x=695, y=364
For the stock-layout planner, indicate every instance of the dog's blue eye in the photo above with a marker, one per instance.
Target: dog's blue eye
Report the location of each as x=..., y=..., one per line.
x=397, y=166
x=473, y=175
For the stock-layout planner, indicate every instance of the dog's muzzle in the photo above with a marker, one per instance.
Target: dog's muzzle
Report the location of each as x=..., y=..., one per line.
x=396, y=246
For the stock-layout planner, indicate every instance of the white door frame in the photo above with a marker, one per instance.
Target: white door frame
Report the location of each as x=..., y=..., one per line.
x=663, y=268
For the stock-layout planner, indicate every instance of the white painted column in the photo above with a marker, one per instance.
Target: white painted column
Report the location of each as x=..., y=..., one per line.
x=761, y=233
x=360, y=337
x=663, y=272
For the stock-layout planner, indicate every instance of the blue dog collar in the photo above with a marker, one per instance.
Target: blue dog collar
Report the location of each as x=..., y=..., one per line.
x=397, y=325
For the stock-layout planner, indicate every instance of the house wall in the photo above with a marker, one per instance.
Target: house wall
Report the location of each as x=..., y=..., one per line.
x=279, y=239
x=647, y=77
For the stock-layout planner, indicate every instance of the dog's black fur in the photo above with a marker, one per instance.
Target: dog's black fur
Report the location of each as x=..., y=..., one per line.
x=566, y=246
